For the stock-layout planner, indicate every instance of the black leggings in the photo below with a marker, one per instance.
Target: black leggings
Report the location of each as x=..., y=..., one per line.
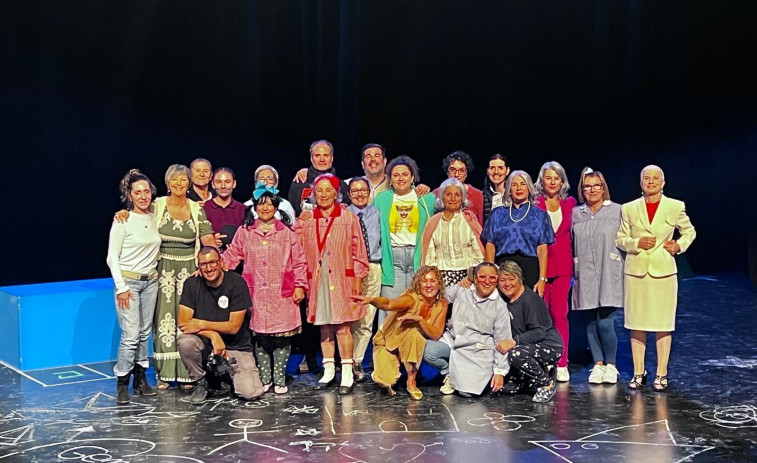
x=528, y=363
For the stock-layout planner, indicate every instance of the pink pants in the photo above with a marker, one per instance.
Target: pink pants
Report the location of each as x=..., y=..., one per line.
x=556, y=296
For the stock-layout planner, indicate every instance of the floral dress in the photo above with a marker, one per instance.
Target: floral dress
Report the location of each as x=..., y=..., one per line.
x=177, y=263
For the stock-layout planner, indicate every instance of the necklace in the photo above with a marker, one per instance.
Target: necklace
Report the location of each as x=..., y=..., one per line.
x=524, y=215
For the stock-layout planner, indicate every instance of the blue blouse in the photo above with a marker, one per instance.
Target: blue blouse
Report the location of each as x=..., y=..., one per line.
x=523, y=233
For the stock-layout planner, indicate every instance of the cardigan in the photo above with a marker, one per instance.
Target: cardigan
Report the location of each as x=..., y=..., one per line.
x=383, y=203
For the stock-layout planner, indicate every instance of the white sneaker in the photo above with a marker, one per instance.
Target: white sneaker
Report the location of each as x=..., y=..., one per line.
x=563, y=375
x=447, y=388
x=597, y=374
x=611, y=375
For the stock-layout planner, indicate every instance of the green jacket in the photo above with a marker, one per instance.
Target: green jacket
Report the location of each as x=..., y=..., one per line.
x=383, y=202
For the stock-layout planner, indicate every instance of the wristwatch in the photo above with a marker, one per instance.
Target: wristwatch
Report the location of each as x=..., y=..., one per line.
x=544, y=279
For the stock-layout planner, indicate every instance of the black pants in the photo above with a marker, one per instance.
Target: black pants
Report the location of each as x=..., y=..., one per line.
x=528, y=364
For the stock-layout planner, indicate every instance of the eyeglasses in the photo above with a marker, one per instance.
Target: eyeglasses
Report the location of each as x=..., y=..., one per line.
x=454, y=171
x=595, y=187
x=361, y=191
x=209, y=264
x=267, y=179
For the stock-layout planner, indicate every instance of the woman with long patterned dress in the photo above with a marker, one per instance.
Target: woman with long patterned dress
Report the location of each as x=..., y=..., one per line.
x=183, y=229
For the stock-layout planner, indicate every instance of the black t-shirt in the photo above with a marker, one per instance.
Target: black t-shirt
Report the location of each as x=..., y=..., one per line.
x=215, y=305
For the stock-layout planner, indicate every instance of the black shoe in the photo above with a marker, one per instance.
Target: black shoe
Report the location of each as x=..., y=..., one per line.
x=345, y=390
x=122, y=391
x=511, y=387
x=200, y=393
x=140, y=382
x=637, y=381
x=545, y=393
x=660, y=383
x=358, y=373
x=319, y=386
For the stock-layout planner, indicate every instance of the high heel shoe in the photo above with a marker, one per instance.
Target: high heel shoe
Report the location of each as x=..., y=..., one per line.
x=660, y=383
x=638, y=381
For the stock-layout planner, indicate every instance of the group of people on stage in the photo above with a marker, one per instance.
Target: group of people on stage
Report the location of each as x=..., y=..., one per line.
x=473, y=282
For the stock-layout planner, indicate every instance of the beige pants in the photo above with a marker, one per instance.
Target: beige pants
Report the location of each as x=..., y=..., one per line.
x=362, y=329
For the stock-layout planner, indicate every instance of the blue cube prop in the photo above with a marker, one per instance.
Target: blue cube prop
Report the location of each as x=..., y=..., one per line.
x=56, y=324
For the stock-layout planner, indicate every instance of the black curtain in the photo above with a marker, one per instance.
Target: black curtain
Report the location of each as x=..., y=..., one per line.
x=91, y=89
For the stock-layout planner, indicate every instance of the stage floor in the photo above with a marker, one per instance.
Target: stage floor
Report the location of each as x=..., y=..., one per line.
x=709, y=413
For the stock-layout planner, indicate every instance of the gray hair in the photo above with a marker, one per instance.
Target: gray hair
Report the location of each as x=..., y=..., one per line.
x=192, y=164
x=451, y=182
x=174, y=171
x=651, y=167
x=267, y=167
x=560, y=171
x=507, y=200
x=511, y=268
x=321, y=142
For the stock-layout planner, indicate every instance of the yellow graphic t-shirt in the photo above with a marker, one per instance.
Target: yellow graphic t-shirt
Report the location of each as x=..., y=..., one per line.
x=404, y=218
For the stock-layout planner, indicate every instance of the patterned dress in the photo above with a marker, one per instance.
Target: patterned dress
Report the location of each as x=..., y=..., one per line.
x=177, y=263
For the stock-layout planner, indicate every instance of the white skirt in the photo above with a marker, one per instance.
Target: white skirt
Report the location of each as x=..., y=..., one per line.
x=650, y=302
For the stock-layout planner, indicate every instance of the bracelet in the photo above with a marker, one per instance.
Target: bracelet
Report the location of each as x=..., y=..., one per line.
x=544, y=279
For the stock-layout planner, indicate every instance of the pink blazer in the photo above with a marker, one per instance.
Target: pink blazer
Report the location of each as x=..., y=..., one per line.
x=560, y=253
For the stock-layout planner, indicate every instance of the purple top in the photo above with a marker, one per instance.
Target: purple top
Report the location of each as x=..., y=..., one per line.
x=218, y=216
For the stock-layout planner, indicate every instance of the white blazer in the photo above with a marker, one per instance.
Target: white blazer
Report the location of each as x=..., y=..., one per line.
x=634, y=225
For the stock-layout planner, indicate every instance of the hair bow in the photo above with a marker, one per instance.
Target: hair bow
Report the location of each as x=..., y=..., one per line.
x=262, y=188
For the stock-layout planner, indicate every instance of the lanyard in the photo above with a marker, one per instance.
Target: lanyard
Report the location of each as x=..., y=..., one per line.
x=322, y=243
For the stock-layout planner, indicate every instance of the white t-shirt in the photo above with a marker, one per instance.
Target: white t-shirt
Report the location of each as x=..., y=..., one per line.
x=404, y=218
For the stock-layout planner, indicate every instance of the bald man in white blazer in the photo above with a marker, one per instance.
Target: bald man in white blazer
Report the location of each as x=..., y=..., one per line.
x=651, y=284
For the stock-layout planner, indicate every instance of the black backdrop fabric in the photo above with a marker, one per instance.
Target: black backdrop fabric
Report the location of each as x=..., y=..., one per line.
x=90, y=89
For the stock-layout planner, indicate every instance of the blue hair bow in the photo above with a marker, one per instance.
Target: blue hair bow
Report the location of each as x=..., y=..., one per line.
x=262, y=188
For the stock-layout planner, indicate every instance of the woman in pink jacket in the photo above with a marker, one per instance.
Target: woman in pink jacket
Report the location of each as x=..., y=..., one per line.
x=337, y=263
x=276, y=273
x=552, y=196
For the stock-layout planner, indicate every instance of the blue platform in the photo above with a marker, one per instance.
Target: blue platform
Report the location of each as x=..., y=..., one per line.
x=58, y=324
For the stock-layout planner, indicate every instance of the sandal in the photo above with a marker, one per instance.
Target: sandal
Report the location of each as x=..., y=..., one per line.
x=660, y=383
x=280, y=390
x=187, y=386
x=162, y=385
x=638, y=381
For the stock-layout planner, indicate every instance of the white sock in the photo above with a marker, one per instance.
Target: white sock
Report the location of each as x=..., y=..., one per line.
x=328, y=370
x=347, y=378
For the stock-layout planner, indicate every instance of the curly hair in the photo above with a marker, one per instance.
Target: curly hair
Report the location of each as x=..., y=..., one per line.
x=132, y=177
x=461, y=156
x=415, y=283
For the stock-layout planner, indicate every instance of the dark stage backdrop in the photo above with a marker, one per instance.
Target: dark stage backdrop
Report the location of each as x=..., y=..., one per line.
x=89, y=89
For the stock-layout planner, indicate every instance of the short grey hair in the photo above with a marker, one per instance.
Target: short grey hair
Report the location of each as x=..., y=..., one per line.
x=451, y=182
x=509, y=267
x=192, y=164
x=560, y=171
x=267, y=167
x=321, y=142
x=174, y=171
x=507, y=200
x=651, y=167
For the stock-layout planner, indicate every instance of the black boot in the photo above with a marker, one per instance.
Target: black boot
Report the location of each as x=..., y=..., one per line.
x=122, y=393
x=140, y=382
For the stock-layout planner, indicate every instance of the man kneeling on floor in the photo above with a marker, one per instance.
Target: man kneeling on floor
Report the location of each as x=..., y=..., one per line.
x=214, y=319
